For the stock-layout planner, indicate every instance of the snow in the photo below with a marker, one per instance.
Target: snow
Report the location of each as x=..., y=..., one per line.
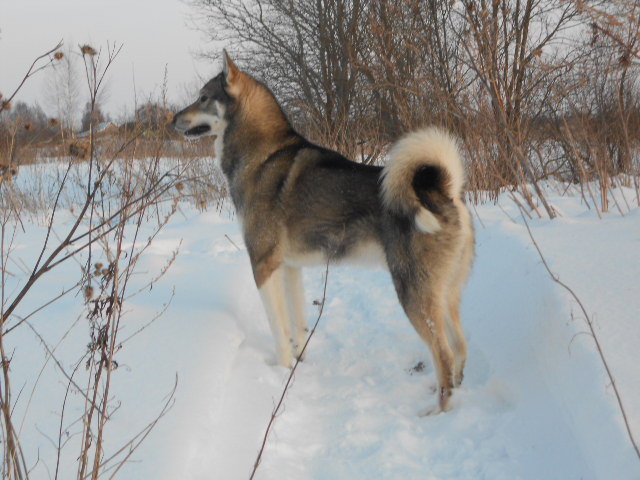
x=535, y=402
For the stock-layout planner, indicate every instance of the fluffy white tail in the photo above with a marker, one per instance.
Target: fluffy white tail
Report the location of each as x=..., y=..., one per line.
x=423, y=172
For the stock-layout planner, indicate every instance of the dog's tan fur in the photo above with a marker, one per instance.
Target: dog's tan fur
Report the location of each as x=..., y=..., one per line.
x=302, y=204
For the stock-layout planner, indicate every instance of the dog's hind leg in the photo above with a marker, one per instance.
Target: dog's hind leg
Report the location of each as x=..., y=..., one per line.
x=272, y=292
x=432, y=329
x=294, y=292
x=456, y=335
x=426, y=311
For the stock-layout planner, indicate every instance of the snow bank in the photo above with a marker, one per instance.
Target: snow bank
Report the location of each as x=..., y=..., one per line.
x=535, y=402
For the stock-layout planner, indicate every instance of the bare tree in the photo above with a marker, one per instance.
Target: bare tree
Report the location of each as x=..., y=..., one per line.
x=600, y=109
x=617, y=20
x=308, y=52
x=115, y=199
x=13, y=464
x=63, y=91
x=505, y=43
x=413, y=66
x=91, y=116
x=505, y=75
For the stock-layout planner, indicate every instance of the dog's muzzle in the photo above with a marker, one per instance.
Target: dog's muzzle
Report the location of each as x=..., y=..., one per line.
x=183, y=127
x=197, y=131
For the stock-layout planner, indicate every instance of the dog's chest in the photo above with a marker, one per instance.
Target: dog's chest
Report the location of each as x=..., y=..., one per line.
x=365, y=254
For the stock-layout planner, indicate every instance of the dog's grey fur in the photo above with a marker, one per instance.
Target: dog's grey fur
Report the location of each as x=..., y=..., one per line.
x=302, y=204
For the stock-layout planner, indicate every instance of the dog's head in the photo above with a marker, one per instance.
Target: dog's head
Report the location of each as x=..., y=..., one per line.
x=209, y=114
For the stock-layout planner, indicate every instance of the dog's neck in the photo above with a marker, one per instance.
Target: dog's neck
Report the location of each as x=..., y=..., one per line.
x=257, y=128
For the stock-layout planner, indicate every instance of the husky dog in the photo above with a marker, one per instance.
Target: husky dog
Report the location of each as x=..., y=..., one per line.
x=301, y=204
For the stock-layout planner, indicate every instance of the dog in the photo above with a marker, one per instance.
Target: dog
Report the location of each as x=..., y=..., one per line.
x=300, y=204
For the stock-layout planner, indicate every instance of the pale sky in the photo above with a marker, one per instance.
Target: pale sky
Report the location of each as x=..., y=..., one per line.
x=154, y=34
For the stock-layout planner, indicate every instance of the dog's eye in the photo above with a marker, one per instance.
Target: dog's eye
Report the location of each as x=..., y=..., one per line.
x=203, y=99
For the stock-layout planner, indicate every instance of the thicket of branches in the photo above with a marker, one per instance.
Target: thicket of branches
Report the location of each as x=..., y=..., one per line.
x=103, y=213
x=534, y=88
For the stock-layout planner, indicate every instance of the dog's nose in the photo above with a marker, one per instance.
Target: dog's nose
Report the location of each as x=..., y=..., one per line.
x=178, y=122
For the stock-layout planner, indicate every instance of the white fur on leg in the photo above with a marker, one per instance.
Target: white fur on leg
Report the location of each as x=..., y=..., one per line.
x=294, y=292
x=273, y=299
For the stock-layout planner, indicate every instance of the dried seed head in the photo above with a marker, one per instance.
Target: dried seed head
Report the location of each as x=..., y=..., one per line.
x=98, y=266
x=88, y=292
x=6, y=105
x=179, y=186
x=88, y=50
x=58, y=55
x=79, y=149
x=104, y=271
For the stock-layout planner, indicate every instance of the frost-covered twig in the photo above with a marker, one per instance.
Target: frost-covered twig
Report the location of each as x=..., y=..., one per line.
x=64, y=405
x=555, y=278
x=274, y=414
x=61, y=367
x=13, y=465
x=6, y=104
x=132, y=445
x=232, y=242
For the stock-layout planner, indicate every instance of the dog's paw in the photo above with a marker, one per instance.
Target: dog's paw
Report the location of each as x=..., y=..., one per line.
x=284, y=358
x=443, y=405
x=457, y=379
x=430, y=411
x=273, y=361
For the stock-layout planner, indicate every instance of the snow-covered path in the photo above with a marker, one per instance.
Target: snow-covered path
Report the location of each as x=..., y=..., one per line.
x=535, y=402
x=531, y=407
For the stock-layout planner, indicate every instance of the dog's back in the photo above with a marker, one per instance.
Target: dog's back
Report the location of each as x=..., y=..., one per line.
x=329, y=206
x=409, y=216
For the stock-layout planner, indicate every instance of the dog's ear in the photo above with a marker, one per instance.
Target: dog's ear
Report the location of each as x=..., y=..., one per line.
x=229, y=68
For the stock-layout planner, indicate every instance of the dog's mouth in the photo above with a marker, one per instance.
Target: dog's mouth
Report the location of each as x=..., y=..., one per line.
x=197, y=131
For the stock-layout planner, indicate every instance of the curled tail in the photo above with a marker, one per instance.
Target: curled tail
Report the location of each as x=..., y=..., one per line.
x=423, y=176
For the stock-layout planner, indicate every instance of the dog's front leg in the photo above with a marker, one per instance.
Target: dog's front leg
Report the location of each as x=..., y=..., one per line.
x=272, y=292
x=294, y=292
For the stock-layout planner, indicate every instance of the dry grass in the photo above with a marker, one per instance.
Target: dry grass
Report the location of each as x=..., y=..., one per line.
x=112, y=189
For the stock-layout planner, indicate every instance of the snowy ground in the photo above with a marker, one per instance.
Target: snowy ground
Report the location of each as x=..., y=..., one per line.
x=535, y=403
